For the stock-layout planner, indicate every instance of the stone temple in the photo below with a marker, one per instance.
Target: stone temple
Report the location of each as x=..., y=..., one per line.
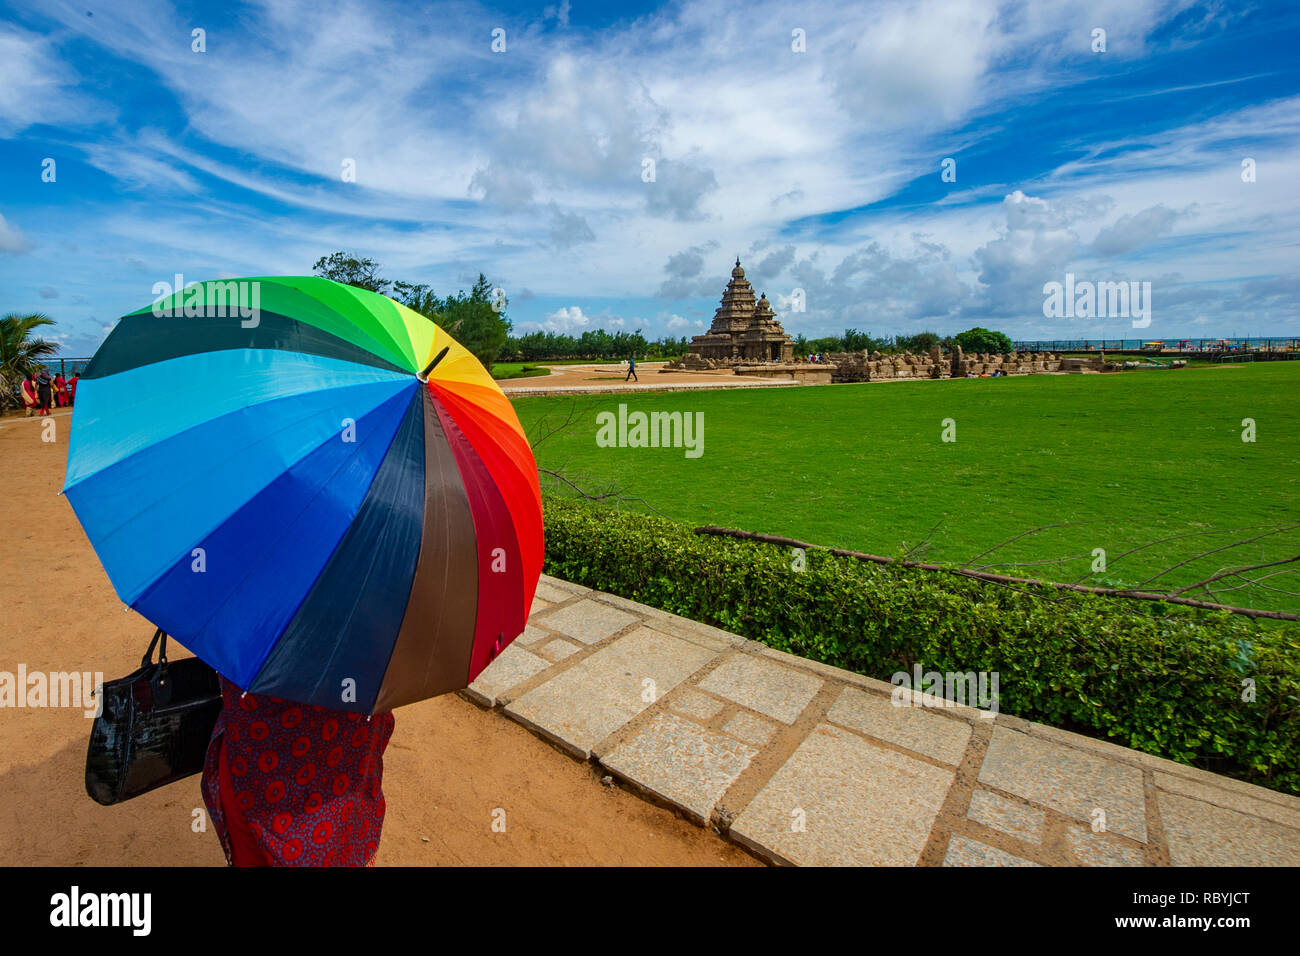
x=744, y=330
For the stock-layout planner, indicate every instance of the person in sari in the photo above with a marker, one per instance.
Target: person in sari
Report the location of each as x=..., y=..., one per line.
x=29, y=395
x=72, y=388
x=290, y=784
x=60, y=391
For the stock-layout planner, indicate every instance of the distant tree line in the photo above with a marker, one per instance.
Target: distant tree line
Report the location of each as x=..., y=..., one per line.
x=972, y=340
x=591, y=344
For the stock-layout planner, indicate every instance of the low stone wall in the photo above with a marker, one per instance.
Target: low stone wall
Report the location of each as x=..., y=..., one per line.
x=810, y=373
x=873, y=366
x=691, y=362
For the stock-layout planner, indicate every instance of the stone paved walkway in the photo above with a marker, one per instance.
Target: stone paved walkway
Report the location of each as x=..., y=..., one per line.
x=811, y=765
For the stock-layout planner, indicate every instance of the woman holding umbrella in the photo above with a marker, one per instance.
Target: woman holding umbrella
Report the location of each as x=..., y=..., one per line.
x=290, y=784
x=337, y=510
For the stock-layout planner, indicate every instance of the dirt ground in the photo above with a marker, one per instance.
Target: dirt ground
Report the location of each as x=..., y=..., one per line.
x=449, y=769
x=613, y=375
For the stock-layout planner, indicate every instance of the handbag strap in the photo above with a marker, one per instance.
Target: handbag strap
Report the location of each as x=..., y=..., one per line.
x=162, y=651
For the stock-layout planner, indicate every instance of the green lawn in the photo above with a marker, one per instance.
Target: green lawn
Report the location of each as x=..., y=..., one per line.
x=1125, y=458
x=505, y=370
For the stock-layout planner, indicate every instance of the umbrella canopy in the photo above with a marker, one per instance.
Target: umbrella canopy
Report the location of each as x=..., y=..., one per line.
x=323, y=495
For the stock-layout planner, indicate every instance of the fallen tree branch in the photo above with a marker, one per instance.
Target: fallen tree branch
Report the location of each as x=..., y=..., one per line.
x=613, y=491
x=1001, y=579
x=1226, y=547
x=1235, y=573
x=1173, y=537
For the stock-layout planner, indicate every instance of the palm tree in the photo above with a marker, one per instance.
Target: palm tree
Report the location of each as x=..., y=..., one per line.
x=20, y=352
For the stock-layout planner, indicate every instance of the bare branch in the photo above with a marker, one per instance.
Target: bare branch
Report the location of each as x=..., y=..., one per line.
x=1175, y=537
x=1002, y=579
x=1235, y=573
x=1023, y=534
x=1226, y=547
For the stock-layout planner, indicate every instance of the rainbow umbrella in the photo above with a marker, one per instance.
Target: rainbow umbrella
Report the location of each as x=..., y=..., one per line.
x=315, y=489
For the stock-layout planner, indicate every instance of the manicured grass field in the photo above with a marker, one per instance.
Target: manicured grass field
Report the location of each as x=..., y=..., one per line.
x=505, y=370
x=1126, y=459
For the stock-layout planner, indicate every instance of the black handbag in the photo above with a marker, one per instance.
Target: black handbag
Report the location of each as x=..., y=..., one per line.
x=153, y=726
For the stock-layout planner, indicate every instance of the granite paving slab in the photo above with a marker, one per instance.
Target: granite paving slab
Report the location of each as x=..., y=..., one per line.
x=963, y=851
x=840, y=800
x=587, y=702
x=1014, y=819
x=589, y=621
x=1075, y=782
x=1101, y=849
x=558, y=649
x=681, y=762
x=913, y=727
x=763, y=685
x=691, y=703
x=1201, y=834
x=751, y=729
x=512, y=667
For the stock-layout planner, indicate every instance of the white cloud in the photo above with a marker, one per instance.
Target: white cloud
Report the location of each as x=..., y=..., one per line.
x=11, y=239
x=566, y=319
x=1130, y=232
x=35, y=84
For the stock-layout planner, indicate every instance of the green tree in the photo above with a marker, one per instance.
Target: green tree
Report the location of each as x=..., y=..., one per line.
x=352, y=270
x=20, y=352
x=476, y=320
x=920, y=343
x=855, y=341
x=982, y=340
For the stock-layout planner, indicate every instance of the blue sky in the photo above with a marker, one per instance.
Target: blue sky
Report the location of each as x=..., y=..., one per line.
x=821, y=169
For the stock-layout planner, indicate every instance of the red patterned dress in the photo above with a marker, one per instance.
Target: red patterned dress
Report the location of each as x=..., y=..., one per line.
x=291, y=784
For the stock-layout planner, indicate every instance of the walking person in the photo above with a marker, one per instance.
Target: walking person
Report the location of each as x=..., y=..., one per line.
x=29, y=395
x=44, y=391
x=631, y=370
x=290, y=784
x=60, y=390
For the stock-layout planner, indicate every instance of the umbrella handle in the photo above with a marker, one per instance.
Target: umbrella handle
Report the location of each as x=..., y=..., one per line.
x=162, y=652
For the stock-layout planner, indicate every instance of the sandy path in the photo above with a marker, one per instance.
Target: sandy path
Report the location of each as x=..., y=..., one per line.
x=562, y=375
x=448, y=768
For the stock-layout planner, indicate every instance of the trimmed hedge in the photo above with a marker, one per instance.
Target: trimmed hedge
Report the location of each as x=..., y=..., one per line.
x=1157, y=678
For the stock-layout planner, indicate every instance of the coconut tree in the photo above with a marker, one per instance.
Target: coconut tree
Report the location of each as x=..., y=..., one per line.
x=20, y=352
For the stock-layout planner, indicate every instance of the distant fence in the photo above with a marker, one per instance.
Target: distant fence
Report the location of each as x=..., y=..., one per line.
x=67, y=367
x=1267, y=345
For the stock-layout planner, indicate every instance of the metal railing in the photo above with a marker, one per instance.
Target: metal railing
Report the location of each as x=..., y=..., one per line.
x=1179, y=345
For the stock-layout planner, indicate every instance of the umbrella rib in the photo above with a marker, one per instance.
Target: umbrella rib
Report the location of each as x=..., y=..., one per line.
x=438, y=358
